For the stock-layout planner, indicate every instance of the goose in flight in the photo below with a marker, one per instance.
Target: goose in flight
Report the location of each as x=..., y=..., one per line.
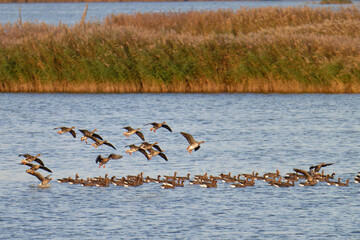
x=131, y=131
x=37, y=167
x=316, y=168
x=194, y=145
x=65, y=130
x=88, y=134
x=29, y=158
x=44, y=180
x=98, y=142
x=156, y=126
x=146, y=145
x=103, y=160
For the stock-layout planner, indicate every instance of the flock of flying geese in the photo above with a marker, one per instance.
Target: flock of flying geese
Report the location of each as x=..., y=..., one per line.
x=149, y=150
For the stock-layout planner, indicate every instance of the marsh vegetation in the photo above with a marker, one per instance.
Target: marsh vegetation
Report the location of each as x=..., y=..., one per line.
x=271, y=49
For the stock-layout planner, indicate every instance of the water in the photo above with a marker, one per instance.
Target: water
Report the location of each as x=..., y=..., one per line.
x=243, y=132
x=70, y=13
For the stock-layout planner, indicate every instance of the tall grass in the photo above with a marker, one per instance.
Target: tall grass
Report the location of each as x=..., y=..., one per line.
x=285, y=50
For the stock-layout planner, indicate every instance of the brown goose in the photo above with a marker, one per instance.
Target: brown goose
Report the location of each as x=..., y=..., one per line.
x=357, y=178
x=132, y=148
x=131, y=131
x=146, y=145
x=44, y=180
x=98, y=142
x=30, y=158
x=316, y=168
x=65, y=130
x=310, y=180
x=156, y=126
x=102, y=160
x=194, y=145
x=37, y=167
x=88, y=134
x=152, y=153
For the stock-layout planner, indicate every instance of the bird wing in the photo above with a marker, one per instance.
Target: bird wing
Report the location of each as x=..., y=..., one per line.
x=144, y=152
x=128, y=128
x=167, y=127
x=115, y=156
x=25, y=155
x=140, y=135
x=99, y=158
x=97, y=136
x=73, y=133
x=188, y=137
x=157, y=148
x=305, y=173
x=84, y=131
x=197, y=148
x=163, y=156
x=109, y=144
x=152, y=123
x=45, y=168
x=30, y=164
x=39, y=161
x=38, y=175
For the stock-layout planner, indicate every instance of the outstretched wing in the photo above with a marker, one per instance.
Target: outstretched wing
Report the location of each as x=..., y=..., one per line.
x=98, y=159
x=167, y=127
x=163, y=156
x=109, y=144
x=73, y=133
x=145, y=153
x=115, y=156
x=140, y=135
x=188, y=137
x=39, y=162
x=97, y=136
x=303, y=172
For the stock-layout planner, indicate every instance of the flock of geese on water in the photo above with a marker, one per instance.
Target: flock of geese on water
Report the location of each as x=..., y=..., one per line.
x=305, y=177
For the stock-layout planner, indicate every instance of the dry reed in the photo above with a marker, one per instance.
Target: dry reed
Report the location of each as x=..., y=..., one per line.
x=262, y=50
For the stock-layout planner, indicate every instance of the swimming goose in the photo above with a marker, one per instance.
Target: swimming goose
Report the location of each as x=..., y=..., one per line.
x=44, y=180
x=88, y=134
x=156, y=126
x=103, y=160
x=341, y=184
x=317, y=168
x=36, y=167
x=30, y=158
x=194, y=145
x=98, y=142
x=65, y=130
x=131, y=131
x=146, y=145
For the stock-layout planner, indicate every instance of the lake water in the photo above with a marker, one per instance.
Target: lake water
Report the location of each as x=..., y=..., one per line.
x=70, y=13
x=242, y=133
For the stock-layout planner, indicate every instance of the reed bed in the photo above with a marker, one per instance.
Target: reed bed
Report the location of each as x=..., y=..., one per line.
x=261, y=50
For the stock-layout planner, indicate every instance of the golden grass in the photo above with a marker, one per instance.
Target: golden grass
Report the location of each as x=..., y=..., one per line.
x=261, y=50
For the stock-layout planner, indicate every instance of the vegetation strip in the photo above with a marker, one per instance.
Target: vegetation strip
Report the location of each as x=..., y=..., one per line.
x=261, y=50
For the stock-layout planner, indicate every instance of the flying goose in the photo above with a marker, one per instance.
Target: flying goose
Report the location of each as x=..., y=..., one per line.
x=131, y=131
x=146, y=145
x=156, y=126
x=194, y=145
x=30, y=158
x=88, y=134
x=65, y=130
x=317, y=168
x=44, y=180
x=36, y=167
x=102, y=160
x=98, y=142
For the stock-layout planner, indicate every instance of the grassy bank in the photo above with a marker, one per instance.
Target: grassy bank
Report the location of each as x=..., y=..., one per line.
x=286, y=50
